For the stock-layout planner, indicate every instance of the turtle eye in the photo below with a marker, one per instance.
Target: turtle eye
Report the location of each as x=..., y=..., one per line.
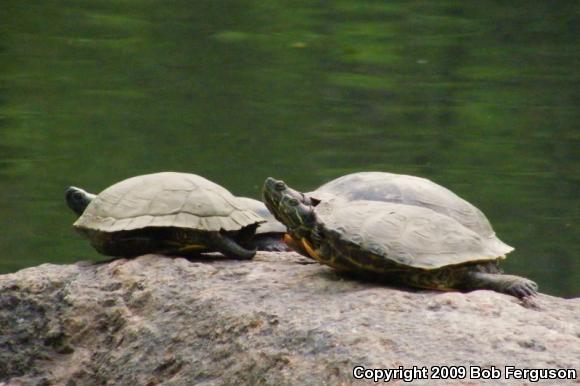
x=280, y=185
x=77, y=196
x=293, y=202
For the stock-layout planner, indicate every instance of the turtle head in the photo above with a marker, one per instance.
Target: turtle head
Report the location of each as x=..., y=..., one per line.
x=273, y=190
x=289, y=206
x=77, y=199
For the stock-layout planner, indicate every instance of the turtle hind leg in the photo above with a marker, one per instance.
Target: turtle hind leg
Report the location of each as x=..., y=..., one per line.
x=229, y=247
x=508, y=284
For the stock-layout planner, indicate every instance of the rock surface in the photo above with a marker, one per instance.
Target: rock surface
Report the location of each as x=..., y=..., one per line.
x=278, y=320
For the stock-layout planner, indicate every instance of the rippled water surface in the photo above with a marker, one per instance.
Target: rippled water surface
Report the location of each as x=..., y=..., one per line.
x=480, y=97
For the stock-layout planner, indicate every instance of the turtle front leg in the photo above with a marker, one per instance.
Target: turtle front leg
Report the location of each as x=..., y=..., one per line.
x=507, y=284
x=229, y=247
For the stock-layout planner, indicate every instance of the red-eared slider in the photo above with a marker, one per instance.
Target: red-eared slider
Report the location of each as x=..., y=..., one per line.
x=401, y=243
x=167, y=213
x=410, y=190
x=404, y=189
x=268, y=237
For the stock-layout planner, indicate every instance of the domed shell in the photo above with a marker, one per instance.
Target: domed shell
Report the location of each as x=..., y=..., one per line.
x=409, y=235
x=410, y=190
x=166, y=199
x=271, y=225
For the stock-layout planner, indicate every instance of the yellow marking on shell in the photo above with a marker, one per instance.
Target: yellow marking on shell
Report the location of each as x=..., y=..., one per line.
x=369, y=267
x=192, y=247
x=310, y=250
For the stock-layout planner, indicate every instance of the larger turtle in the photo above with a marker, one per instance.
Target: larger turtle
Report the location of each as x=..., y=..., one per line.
x=404, y=244
x=167, y=213
x=269, y=235
x=404, y=189
x=410, y=190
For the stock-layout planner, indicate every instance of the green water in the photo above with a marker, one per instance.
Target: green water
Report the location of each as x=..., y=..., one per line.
x=481, y=97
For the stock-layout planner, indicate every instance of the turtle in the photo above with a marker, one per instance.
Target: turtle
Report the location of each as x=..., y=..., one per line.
x=400, y=243
x=410, y=190
x=269, y=235
x=167, y=213
x=404, y=189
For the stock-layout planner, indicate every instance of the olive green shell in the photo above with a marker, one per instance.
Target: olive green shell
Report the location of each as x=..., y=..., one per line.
x=407, y=235
x=411, y=190
x=271, y=225
x=166, y=199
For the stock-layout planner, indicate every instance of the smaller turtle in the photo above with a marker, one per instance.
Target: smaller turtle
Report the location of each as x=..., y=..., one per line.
x=269, y=235
x=403, y=244
x=167, y=213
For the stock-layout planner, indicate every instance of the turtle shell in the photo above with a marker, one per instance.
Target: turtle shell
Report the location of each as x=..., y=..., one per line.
x=407, y=235
x=166, y=199
x=410, y=190
x=271, y=225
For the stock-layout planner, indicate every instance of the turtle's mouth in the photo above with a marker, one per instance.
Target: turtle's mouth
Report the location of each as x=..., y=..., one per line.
x=270, y=204
x=275, y=194
x=271, y=196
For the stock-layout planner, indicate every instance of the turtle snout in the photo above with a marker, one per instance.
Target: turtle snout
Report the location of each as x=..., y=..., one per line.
x=75, y=194
x=76, y=199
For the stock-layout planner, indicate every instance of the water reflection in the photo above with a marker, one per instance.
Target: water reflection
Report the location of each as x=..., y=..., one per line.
x=481, y=98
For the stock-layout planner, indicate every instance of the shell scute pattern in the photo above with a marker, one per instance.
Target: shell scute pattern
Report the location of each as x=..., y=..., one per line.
x=406, y=235
x=166, y=200
x=410, y=190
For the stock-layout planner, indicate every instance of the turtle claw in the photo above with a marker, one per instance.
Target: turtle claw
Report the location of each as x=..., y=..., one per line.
x=523, y=288
x=517, y=286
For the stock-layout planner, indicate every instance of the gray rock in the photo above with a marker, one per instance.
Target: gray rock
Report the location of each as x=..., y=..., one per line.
x=278, y=320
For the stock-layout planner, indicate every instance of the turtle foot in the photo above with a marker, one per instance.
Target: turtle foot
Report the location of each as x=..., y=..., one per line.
x=522, y=288
x=517, y=286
